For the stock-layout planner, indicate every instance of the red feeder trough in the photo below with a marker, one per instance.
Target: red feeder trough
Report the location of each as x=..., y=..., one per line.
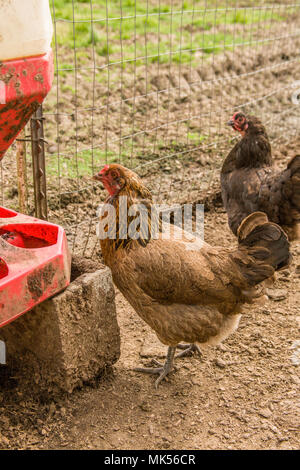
x=34, y=263
x=34, y=256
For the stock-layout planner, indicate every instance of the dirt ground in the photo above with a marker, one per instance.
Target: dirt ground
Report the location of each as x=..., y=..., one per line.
x=240, y=395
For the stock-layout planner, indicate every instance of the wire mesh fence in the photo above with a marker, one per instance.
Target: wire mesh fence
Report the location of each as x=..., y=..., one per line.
x=150, y=84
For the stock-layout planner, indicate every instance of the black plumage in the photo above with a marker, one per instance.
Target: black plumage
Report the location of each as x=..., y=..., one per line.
x=250, y=182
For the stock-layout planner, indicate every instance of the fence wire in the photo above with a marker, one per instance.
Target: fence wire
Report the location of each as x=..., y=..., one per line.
x=150, y=84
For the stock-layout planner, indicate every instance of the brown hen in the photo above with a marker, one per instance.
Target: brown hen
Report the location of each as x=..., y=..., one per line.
x=251, y=183
x=183, y=288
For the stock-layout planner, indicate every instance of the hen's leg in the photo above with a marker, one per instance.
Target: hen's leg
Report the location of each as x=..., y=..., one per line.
x=162, y=371
x=187, y=349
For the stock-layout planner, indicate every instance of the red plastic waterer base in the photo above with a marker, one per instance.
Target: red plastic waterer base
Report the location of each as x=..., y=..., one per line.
x=35, y=263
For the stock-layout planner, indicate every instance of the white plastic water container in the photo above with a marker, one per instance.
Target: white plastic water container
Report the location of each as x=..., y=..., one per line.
x=25, y=28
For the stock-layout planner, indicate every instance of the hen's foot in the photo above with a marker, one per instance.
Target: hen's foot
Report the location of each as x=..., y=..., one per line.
x=162, y=371
x=188, y=349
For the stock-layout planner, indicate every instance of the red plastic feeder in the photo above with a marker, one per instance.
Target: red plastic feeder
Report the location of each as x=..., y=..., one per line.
x=26, y=84
x=34, y=263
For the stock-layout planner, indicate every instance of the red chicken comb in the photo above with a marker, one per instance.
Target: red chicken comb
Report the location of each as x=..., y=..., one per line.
x=104, y=169
x=98, y=176
x=237, y=112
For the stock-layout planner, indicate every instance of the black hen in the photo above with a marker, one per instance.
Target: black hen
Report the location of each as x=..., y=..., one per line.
x=250, y=183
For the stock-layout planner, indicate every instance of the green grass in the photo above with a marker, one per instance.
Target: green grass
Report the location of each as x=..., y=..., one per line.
x=164, y=33
x=84, y=163
x=87, y=162
x=195, y=137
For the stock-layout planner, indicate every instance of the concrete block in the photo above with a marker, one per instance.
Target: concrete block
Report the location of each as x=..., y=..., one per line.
x=69, y=338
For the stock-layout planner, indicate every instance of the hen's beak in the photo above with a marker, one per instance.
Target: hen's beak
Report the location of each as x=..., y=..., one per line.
x=97, y=177
x=230, y=123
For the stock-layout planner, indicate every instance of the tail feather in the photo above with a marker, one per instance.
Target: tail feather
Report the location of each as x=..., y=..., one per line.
x=266, y=247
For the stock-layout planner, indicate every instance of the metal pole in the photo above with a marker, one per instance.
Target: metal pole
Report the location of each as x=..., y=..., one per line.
x=21, y=172
x=38, y=162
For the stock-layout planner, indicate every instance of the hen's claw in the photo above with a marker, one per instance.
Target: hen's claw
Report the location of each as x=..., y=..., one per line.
x=187, y=349
x=159, y=364
x=162, y=371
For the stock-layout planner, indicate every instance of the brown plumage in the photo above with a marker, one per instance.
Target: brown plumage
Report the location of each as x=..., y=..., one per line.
x=250, y=182
x=191, y=293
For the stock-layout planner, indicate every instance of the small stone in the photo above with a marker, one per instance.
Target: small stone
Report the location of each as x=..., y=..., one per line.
x=295, y=379
x=266, y=413
x=282, y=438
x=274, y=429
x=196, y=381
x=5, y=421
x=4, y=440
x=52, y=409
x=220, y=363
x=201, y=160
x=284, y=274
x=145, y=406
x=281, y=311
x=283, y=279
x=277, y=294
x=223, y=348
x=52, y=149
